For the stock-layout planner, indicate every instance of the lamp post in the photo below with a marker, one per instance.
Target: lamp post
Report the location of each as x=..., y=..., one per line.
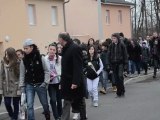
x=100, y=26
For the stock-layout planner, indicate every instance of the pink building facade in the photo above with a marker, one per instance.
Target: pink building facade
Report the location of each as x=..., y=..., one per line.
x=82, y=18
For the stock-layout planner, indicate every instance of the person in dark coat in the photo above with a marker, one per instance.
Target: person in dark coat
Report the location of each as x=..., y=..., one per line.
x=155, y=51
x=72, y=84
x=135, y=53
x=145, y=57
x=118, y=59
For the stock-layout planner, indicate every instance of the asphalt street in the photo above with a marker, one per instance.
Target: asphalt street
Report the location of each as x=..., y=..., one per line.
x=141, y=102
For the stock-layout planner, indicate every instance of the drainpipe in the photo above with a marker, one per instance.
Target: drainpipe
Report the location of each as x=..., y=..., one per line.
x=64, y=14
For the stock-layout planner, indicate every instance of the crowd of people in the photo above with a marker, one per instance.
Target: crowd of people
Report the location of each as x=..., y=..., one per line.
x=71, y=71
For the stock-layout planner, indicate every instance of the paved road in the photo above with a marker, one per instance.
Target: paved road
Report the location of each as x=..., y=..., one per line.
x=142, y=102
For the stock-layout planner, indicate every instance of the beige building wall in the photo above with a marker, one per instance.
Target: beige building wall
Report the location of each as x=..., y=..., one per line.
x=114, y=25
x=82, y=19
x=43, y=33
x=14, y=23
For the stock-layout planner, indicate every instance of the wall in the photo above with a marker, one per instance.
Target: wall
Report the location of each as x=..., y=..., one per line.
x=114, y=26
x=43, y=33
x=82, y=18
x=12, y=23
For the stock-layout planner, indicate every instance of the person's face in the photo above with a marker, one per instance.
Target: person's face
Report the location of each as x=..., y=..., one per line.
x=155, y=34
x=61, y=41
x=91, y=51
x=59, y=47
x=91, y=42
x=132, y=42
x=52, y=50
x=104, y=48
x=140, y=38
x=20, y=55
x=143, y=45
x=28, y=49
x=148, y=38
x=114, y=39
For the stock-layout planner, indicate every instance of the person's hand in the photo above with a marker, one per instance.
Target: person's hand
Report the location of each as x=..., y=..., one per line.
x=44, y=85
x=73, y=86
x=111, y=72
x=23, y=89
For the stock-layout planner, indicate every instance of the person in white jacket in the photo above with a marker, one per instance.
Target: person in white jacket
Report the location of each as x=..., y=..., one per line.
x=95, y=67
x=54, y=61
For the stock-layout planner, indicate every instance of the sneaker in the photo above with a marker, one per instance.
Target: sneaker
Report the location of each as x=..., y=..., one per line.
x=154, y=76
x=76, y=116
x=103, y=91
x=114, y=89
x=95, y=104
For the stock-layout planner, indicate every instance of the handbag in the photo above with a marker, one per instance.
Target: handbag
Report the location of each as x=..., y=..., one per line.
x=23, y=108
x=91, y=72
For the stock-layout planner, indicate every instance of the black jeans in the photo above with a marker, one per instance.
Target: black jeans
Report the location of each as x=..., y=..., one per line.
x=13, y=112
x=79, y=106
x=119, y=79
x=55, y=100
x=155, y=62
x=145, y=66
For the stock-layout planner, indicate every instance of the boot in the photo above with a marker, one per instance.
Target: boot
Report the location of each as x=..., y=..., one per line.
x=47, y=116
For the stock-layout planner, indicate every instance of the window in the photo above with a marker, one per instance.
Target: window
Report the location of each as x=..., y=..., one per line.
x=120, y=17
x=32, y=14
x=107, y=17
x=54, y=15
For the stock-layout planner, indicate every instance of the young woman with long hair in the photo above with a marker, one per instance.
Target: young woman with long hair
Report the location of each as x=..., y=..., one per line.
x=9, y=80
x=95, y=67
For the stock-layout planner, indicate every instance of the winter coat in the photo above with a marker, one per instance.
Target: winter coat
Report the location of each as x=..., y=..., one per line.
x=118, y=54
x=72, y=72
x=134, y=52
x=9, y=80
x=105, y=60
x=155, y=47
x=33, y=75
x=145, y=54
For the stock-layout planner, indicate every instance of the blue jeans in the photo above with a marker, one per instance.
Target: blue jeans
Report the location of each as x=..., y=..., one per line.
x=104, y=79
x=55, y=100
x=131, y=66
x=13, y=113
x=42, y=94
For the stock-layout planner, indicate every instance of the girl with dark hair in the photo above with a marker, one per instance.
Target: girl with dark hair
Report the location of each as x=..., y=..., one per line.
x=20, y=54
x=95, y=67
x=9, y=79
x=54, y=61
x=91, y=41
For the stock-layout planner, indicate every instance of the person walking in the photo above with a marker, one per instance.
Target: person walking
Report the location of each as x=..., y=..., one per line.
x=72, y=82
x=9, y=79
x=95, y=67
x=34, y=78
x=54, y=61
x=118, y=59
x=145, y=57
x=155, y=51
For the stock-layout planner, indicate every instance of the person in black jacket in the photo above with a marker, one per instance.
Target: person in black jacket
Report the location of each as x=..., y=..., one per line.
x=105, y=72
x=118, y=59
x=155, y=51
x=72, y=84
x=145, y=57
x=34, y=78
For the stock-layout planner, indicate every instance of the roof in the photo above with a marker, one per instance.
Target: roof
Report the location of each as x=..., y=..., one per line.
x=122, y=2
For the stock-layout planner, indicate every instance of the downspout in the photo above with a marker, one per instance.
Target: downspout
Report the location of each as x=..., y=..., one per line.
x=64, y=14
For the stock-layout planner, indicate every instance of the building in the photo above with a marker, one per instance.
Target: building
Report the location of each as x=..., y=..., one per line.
x=40, y=20
x=82, y=18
